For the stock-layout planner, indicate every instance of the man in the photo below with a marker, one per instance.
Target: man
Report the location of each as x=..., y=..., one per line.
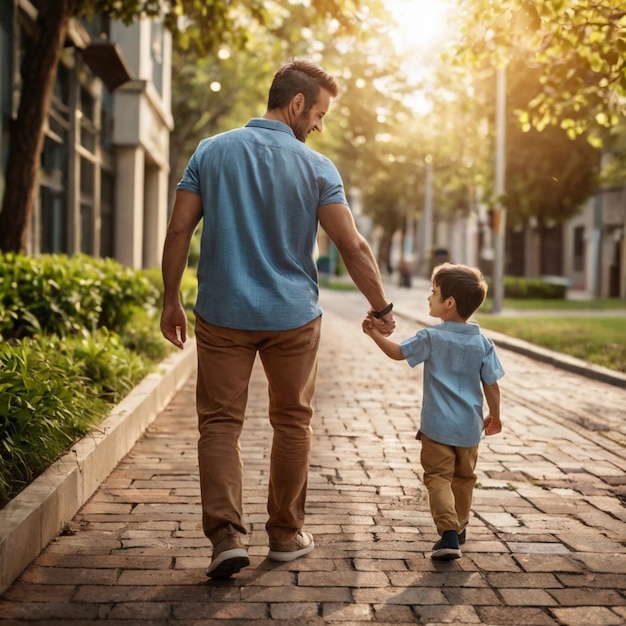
x=262, y=195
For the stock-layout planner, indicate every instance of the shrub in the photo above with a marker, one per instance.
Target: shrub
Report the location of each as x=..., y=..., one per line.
x=78, y=334
x=521, y=288
x=53, y=390
x=45, y=405
x=55, y=294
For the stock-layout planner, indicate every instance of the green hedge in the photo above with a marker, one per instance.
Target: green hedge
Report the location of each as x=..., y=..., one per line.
x=77, y=335
x=531, y=288
x=60, y=295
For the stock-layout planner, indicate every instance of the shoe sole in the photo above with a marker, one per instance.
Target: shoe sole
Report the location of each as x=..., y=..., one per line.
x=228, y=563
x=446, y=554
x=285, y=557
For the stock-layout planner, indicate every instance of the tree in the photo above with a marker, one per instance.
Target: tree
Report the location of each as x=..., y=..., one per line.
x=577, y=46
x=38, y=75
x=549, y=173
x=198, y=25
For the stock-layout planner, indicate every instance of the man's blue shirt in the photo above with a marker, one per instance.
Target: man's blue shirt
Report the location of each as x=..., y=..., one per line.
x=261, y=189
x=457, y=359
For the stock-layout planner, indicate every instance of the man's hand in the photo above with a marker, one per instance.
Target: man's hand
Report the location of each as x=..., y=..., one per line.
x=385, y=325
x=174, y=325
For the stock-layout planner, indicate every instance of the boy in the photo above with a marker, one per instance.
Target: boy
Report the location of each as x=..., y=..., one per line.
x=458, y=360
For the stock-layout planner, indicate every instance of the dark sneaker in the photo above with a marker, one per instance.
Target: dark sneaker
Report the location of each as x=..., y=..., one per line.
x=229, y=556
x=301, y=545
x=462, y=537
x=447, y=548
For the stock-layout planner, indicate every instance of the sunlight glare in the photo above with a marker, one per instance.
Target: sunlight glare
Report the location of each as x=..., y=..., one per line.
x=422, y=24
x=423, y=29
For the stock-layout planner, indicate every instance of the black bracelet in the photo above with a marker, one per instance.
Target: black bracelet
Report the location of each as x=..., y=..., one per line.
x=383, y=312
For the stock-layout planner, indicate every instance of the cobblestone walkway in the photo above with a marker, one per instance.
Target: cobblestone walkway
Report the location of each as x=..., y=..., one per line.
x=546, y=544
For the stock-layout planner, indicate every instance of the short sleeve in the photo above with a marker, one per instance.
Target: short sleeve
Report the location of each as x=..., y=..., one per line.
x=191, y=179
x=331, y=185
x=491, y=370
x=416, y=349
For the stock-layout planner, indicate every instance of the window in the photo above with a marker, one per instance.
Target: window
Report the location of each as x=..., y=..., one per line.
x=107, y=224
x=106, y=121
x=87, y=149
x=579, y=248
x=53, y=221
x=88, y=130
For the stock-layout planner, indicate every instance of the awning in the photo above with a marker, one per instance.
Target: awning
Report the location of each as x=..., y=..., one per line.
x=106, y=61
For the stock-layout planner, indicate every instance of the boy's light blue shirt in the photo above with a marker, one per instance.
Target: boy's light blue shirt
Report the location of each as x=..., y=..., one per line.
x=457, y=359
x=261, y=189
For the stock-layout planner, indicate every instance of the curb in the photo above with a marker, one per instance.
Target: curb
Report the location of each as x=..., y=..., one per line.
x=557, y=359
x=39, y=513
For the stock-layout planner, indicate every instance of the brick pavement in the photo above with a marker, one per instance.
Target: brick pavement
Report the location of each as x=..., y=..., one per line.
x=546, y=544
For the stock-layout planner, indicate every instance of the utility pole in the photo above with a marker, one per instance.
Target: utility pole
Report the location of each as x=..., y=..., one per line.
x=426, y=224
x=499, y=211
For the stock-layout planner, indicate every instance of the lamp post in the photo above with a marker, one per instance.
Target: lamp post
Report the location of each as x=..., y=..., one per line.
x=426, y=223
x=499, y=211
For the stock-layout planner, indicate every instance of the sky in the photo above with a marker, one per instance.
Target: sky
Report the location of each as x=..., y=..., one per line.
x=423, y=28
x=422, y=23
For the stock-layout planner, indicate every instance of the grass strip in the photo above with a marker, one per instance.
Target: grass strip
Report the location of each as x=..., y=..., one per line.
x=599, y=340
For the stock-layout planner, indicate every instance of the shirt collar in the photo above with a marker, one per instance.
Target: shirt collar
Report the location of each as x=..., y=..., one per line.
x=467, y=328
x=261, y=122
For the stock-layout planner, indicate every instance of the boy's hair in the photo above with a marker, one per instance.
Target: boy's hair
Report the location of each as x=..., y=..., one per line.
x=299, y=76
x=463, y=283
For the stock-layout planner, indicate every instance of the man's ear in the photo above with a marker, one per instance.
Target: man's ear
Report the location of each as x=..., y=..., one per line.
x=298, y=103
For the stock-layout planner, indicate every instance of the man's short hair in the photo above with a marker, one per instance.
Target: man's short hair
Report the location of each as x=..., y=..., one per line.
x=299, y=76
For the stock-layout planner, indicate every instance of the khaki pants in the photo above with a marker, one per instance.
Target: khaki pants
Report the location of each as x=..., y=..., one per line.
x=449, y=477
x=225, y=361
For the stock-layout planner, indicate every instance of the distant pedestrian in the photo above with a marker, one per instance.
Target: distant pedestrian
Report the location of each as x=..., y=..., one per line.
x=458, y=360
x=262, y=195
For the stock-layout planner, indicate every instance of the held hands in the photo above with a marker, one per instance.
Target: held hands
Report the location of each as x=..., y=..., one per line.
x=385, y=325
x=492, y=425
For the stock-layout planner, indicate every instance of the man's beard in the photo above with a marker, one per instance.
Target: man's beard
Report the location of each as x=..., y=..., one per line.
x=301, y=129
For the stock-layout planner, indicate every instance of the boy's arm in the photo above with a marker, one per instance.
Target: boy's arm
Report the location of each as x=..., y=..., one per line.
x=389, y=347
x=493, y=425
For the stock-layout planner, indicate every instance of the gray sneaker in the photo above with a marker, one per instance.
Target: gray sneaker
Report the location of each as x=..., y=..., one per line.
x=229, y=556
x=302, y=544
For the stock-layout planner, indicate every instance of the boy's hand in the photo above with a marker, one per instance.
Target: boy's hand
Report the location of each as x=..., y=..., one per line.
x=492, y=425
x=384, y=326
x=367, y=326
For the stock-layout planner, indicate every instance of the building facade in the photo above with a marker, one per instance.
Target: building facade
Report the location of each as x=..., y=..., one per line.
x=105, y=161
x=586, y=252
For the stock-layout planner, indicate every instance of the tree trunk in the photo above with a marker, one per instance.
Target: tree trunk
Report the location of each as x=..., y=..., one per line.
x=39, y=71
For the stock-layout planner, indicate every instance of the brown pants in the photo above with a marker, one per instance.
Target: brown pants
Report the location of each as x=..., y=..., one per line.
x=449, y=477
x=225, y=361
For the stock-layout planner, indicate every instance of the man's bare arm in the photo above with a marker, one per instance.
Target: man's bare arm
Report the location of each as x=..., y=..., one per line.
x=186, y=216
x=338, y=223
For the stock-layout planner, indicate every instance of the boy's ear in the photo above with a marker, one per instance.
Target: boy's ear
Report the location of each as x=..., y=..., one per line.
x=450, y=302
